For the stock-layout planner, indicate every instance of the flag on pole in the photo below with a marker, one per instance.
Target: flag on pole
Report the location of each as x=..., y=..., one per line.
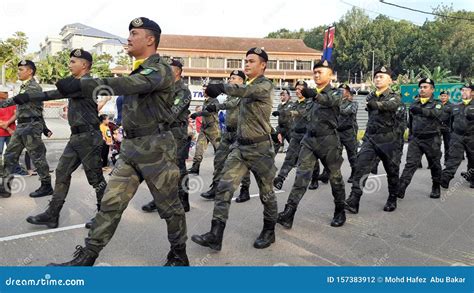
x=328, y=43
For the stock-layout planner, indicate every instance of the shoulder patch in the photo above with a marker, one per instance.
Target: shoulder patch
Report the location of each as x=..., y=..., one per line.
x=176, y=101
x=146, y=71
x=438, y=106
x=392, y=99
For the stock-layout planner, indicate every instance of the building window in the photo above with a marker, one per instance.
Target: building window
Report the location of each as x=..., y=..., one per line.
x=200, y=62
x=234, y=63
x=303, y=65
x=216, y=63
x=286, y=65
x=272, y=64
x=185, y=61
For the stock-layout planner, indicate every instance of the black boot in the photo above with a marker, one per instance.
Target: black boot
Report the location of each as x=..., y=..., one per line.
x=195, y=168
x=83, y=257
x=351, y=178
x=402, y=189
x=149, y=207
x=466, y=176
x=339, y=216
x=286, y=217
x=324, y=177
x=50, y=217
x=391, y=204
x=314, y=184
x=352, y=204
x=435, y=190
x=184, y=198
x=5, y=187
x=444, y=182
x=44, y=190
x=177, y=257
x=278, y=182
x=244, y=194
x=212, y=239
x=211, y=193
x=267, y=236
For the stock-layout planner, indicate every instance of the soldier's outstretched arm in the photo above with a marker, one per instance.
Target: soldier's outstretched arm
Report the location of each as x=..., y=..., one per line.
x=35, y=97
x=329, y=100
x=252, y=91
x=436, y=112
x=229, y=104
x=391, y=105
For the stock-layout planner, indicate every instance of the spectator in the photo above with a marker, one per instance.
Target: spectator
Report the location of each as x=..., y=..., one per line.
x=107, y=136
x=7, y=121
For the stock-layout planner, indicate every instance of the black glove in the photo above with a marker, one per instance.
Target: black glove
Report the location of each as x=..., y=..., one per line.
x=211, y=108
x=275, y=113
x=470, y=117
x=193, y=116
x=68, y=85
x=21, y=99
x=308, y=93
x=215, y=89
x=47, y=132
x=372, y=105
x=416, y=110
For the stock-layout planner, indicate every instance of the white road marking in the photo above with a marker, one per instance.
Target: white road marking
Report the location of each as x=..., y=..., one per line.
x=48, y=231
x=257, y=194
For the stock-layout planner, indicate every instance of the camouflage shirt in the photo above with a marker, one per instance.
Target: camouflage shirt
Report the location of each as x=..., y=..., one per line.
x=148, y=93
x=429, y=121
x=384, y=116
x=322, y=114
x=348, y=114
x=463, y=118
x=182, y=99
x=33, y=108
x=297, y=113
x=284, y=119
x=255, y=107
x=83, y=110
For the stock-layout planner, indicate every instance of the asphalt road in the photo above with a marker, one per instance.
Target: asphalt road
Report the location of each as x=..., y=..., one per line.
x=422, y=231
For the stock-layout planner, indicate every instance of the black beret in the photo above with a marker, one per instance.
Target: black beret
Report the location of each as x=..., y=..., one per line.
x=286, y=91
x=301, y=82
x=345, y=86
x=175, y=62
x=383, y=69
x=28, y=63
x=239, y=73
x=468, y=86
x=444, y=93
x=321, y=63
x=258, y=51
x=145, y=23
x=426, y=80
x=79, y=53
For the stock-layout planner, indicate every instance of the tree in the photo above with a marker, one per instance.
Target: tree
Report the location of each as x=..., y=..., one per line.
x=438, y=75
x=100, y=66
x=53, y=68
x=11, y=52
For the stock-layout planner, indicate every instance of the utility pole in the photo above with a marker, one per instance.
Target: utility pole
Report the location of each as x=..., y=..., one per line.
x=373, y=61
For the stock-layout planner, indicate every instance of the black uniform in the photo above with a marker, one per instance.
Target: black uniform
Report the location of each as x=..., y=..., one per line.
x=284, y=124
x=446, y=127
x=347, y=130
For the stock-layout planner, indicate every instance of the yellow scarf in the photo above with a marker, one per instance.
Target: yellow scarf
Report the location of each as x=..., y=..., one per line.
x=379, y=93
x=466, y=102
x=301, y=99
x=137, y=63
x=250, y=81
x=424, y=100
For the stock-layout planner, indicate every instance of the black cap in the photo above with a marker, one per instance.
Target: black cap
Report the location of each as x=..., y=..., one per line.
x=145, y=23
x=28, y=63
x=175, y=62
x=301, y=82
x=239, y=73
x=426, y=80
x=444, y=93
x=345, y=86
x=468, y=86
x=79, y=53
x=258, y=51
x=324, y=64
x=384, y=70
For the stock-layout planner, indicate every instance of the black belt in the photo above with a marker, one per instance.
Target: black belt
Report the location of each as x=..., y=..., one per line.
x=248, y=141
x=178, y=124
x=320, y=133
x=344, y=128
x=299, y=130
x=378, y=130
x=28, y=119
x=425, y=135
x=144, y=131
x=231, y=129
x=83, y=128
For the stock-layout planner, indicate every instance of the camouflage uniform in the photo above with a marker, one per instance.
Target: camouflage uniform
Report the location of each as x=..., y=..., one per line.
x=320, y=142
x=209, y=131
x=27, y=134
x=380, y=141
x=446, y=128
x=285, y=122
x=462, y=140
x=347, y=129
x=424, y=139
x=148, y=151
x=231, y=105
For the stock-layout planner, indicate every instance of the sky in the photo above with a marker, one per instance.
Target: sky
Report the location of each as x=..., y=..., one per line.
x=242, y=18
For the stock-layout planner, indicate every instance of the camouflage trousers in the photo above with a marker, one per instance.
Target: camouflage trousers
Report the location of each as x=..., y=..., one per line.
x=83, y=148
x=183, y=142
x=291, y=156
x=209, y=134
x=457, y=146
x=348, y=139
x=386, y=147
x=258, y=158
x=222, y=153
x=431, y=147
x=328, y=150
x=27, y=136
x=151, y=159
x=285, y=134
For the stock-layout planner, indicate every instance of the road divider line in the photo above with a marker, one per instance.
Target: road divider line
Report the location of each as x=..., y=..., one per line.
x=43, y=232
